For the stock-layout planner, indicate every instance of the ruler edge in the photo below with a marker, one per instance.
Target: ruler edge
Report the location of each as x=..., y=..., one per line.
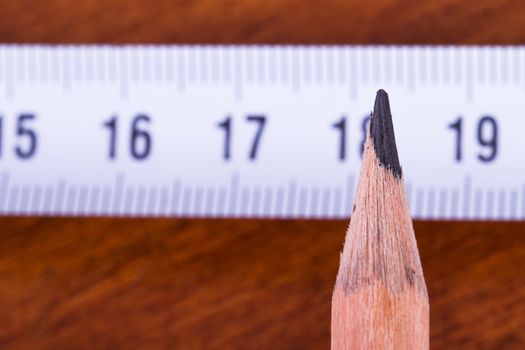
x=195, y=46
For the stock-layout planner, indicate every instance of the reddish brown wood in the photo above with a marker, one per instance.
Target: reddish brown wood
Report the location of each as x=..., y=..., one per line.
x=236, y=284
x=270, y=21
x=243, y=284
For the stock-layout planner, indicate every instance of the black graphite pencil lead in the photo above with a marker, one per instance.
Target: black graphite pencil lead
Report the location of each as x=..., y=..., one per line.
x=382, y=133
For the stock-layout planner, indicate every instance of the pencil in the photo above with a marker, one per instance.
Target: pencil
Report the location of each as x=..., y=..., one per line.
x=380, y=299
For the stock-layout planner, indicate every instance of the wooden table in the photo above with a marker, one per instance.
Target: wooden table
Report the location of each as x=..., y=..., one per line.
x=97, y=283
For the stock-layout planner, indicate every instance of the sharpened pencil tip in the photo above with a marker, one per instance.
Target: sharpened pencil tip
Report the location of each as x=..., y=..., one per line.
x=382, y=133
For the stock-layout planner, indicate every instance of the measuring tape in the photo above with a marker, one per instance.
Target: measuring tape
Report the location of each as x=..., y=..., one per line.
x=256, y=131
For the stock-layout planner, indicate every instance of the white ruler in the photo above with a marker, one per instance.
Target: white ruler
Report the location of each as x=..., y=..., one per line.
x=256, y=131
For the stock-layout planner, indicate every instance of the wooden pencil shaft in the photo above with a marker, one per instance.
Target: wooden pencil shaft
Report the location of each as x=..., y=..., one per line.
x=380, y=299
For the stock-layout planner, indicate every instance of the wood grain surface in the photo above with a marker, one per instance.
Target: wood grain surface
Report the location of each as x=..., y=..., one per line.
x=107, y=283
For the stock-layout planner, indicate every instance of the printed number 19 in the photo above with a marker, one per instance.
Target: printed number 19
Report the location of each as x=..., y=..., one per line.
x=487, y=137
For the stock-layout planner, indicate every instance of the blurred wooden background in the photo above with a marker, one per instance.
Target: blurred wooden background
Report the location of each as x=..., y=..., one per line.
x=85, y=283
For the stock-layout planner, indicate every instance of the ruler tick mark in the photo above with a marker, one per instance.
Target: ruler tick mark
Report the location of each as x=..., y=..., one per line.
x=210, y=201
x=70, y=201
x=24, y=200
x=36, y=200
x=129, y=200
x=268, y=202
x=327, y=194
x=478, y=203
x=502, y=204
x=466, y=197
x=256, y=202
x=303, y=198
x=152, y=207
x=431, y=200
x=513, y=212
x=443, y=203
x=4, y=187
x=454, y=212
x=13, y=199
x=94, y=200
x=279, y=204
x=490, y=204
x=104, y=207
x=292, y=188
x=82, y=207
x=314, y=202
x=175, y=198
x=197, y=203
x=48, y=200
x=187, y=203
